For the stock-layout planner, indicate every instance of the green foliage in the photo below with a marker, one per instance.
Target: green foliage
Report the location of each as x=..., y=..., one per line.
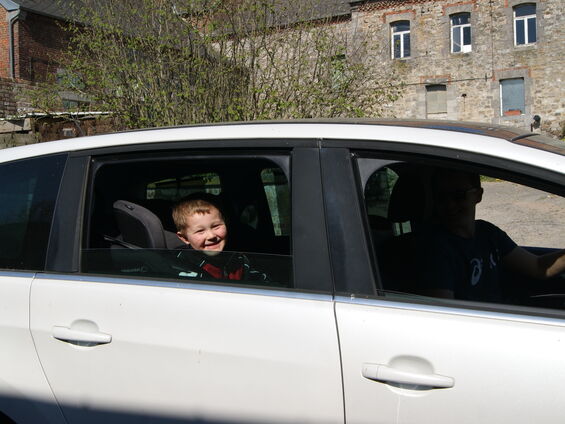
x=163, y=63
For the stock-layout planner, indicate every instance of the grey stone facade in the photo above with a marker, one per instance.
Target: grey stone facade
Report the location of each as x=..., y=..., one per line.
x=472, y=80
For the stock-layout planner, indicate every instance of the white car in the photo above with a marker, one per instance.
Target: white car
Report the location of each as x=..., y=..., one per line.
x=102, y=319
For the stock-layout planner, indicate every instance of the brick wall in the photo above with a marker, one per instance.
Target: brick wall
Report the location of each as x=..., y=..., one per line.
x=40, y=42
x=4, y=44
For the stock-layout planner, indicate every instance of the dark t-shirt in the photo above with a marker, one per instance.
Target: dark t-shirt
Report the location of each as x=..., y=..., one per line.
x=468, y=267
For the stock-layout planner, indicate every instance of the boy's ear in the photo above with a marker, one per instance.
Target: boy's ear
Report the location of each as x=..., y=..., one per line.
x=182, y=238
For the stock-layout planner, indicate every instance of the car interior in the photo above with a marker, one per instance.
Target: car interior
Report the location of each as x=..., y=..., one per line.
x=399, y=204
x=129, y=216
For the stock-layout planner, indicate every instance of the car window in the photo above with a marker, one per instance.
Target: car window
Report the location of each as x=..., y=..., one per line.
x=132, y=232
x=28, y=195
x=418, y=217
x=178, y=187
x=277, y=191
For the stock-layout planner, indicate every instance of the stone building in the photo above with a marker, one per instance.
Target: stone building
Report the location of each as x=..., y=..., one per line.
x=498, y=61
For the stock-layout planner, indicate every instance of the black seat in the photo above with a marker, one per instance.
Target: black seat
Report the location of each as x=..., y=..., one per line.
x=141, y=228
x=409, y=201
x=163, y=209
x=409, y=212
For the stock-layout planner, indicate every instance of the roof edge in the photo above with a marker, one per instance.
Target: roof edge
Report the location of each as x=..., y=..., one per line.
x=9, y=5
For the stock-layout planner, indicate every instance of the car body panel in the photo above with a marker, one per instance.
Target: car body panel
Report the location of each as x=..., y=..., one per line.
x=445, y=136
x=502, y=366
x=25, y=395
x=223, y=356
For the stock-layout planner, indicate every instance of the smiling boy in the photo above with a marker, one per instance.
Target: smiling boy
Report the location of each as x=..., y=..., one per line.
x=201, y=226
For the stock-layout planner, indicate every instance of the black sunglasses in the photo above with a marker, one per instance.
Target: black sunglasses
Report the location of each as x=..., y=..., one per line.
x=455, y=195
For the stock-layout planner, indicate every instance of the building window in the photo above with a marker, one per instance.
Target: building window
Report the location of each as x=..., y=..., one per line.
x=436, y=100
x=461, y=33
x=525, y=24
x=400, y=36
x=512, y=97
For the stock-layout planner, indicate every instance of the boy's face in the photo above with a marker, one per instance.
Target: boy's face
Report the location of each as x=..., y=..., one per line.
x=206, y=231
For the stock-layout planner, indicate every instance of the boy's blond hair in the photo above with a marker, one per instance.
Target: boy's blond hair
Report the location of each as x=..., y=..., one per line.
x=186, y=208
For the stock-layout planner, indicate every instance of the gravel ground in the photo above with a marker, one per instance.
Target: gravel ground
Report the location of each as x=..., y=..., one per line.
x=531, y=217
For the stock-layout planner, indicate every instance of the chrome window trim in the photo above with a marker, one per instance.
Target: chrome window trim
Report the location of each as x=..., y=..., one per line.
x=454, y=310
x=268, y=291
x=14, y=273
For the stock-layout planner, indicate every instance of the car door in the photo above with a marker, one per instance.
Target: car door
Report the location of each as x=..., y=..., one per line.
x=28, y=193
x=120, y=347
x=414, y=359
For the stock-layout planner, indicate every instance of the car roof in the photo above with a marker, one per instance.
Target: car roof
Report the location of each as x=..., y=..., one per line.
x=505, y=142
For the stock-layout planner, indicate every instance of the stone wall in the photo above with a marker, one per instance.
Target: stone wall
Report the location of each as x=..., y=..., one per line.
x=36, y=128
x=472, y=79
x=13, y=97
x=16, y=139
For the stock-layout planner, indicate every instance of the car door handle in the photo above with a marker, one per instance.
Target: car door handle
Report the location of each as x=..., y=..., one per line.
x=386, y=374
x=80, y=336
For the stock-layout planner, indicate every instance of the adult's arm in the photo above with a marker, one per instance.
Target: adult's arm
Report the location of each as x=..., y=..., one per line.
x=536, y=266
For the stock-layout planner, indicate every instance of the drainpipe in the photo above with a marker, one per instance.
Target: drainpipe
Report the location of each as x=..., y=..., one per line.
x=13, y=17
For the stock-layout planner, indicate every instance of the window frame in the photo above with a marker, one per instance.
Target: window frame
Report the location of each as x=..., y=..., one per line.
x=386, y=153
x=310, y=272
x=198, y=161
x=355, y=275
x=510, y=112
x=526, y=19
x=430, y=88
x=464, y=48
x=403, y=36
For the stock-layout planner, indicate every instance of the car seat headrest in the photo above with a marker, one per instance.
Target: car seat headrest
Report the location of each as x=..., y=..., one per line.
x=409, y=199
x=139, y=226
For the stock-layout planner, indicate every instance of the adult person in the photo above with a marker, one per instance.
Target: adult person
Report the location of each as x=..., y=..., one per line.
x=463, y=257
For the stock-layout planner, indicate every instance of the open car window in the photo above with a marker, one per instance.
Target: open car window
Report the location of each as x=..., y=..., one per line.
x=130, y=230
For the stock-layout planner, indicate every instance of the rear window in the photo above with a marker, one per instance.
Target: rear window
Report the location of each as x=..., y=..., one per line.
x=28, y=194
x=176, y=188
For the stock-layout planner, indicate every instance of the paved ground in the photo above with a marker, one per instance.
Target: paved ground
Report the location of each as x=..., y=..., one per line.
x=531, y=217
